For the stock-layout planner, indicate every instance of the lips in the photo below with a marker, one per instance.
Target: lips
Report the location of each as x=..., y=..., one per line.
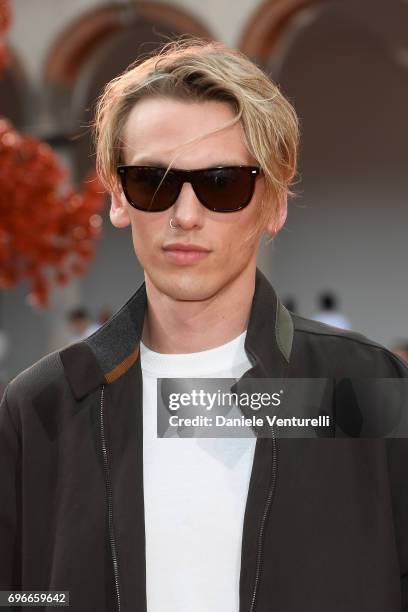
x=186, y=247
x=185, y=253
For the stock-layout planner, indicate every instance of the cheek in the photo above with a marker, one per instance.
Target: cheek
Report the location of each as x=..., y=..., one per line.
x=145, y=233
x=248, y=232
x=139, y=236
x=238, y=247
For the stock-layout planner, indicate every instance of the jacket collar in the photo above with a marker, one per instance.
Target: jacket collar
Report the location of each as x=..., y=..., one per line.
x=114, y=348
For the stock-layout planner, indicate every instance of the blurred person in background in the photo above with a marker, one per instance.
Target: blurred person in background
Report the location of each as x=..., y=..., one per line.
x=401, y=349
x=329, y=312
x=4, y=351
x=104, y=315
x=198, y=148
x=80, y=324
x=291, y=304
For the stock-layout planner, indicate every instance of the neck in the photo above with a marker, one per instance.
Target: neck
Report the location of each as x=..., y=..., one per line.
x=175, y=326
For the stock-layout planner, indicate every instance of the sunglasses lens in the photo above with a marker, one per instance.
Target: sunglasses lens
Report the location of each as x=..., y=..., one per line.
x=225, y=189
x=146, y=189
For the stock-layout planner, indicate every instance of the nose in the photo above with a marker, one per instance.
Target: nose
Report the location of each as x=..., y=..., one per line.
x=187, y=211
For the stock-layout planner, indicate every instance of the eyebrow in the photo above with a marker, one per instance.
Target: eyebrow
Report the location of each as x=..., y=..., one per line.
x=155, y=163
x=146, y=161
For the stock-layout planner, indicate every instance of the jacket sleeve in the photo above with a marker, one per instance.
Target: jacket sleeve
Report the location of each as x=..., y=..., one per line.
x=398, y=474
x=10, y=501
x=398, y=470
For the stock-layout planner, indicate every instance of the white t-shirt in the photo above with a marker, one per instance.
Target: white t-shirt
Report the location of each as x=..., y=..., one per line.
x=195, y=492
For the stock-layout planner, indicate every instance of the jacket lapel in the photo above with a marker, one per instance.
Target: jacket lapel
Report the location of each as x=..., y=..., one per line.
x=110, y=352
x=269, y=337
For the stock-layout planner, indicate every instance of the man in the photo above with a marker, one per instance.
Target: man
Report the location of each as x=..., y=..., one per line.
x=400, y=349
x=198, y=149
x=329, y=312
x=80, y=324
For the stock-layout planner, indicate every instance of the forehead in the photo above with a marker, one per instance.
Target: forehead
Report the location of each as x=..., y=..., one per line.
x=157, y=129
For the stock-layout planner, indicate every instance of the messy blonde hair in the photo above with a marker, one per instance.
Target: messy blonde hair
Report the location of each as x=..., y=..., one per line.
x=196, y=70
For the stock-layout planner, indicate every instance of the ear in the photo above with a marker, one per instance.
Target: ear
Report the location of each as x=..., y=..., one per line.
x=277, y=220
x=119, y=213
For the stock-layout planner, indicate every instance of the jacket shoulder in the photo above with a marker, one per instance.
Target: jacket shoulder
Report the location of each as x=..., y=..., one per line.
x=339, y=352
x=30, y=383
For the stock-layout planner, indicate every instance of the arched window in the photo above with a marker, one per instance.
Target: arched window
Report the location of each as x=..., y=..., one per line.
x=270, y=23
x=96, y=47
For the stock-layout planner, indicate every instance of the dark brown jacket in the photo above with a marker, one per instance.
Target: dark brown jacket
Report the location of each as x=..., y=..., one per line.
x=326, y=520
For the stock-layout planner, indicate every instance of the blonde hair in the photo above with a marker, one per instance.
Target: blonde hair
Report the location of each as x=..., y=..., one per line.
x=195, y=70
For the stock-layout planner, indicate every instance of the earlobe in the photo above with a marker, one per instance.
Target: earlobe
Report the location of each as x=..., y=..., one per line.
x=119, y=214
x=278, y=218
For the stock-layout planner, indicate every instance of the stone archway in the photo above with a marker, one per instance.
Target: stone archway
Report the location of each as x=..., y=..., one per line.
x=95, y=48
x=85, y=34
x=267, y=25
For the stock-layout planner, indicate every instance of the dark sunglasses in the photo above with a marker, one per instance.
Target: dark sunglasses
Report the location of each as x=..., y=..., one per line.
x=222, y=189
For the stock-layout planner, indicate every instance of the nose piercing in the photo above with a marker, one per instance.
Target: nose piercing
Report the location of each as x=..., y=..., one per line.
x=171, y=224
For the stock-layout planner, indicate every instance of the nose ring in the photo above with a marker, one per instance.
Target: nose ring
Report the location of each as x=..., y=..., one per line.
x=171, y=224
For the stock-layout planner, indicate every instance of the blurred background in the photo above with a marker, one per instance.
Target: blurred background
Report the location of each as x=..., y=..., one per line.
x=344, y=66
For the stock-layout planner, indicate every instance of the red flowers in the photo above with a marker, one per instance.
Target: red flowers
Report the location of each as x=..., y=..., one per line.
x=5, y=20
x=47, y=230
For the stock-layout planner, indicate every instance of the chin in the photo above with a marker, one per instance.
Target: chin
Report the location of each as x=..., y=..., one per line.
x=188, y=287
